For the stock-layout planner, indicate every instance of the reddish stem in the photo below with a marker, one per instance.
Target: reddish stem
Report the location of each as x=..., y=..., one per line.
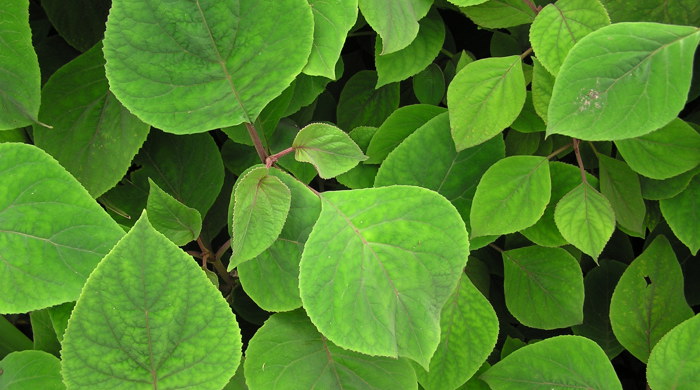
x=579, y=160
x=270, y=160
x=556, y=152
x=533, y=7
x=256, y=141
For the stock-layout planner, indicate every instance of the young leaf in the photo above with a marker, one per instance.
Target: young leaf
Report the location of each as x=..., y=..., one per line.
x=675, y=359
x=469, y=329
x=396, y=21
x=542, y=85
x=511, y=196
x=94, y=137
x=402, y=64
x=30, y=370
x=136, y=324
x=363, y=175
x=289, y=353
x=558, y=362
x=205, y=64
x=585, y=219
x=332, y=21
x=648, y=300
x=682, y=212
x=20, y=81
x=260, y=207
x=609, y=84
x=429, y=85
x=543, y=287
x=559, y=26
x=52, y=232
x=484, y=98
x=387, y=258
x=663, y=153
x=181, y=224
x=620, y=185
x=328, y=148
x=362, y=105
x=500, y=13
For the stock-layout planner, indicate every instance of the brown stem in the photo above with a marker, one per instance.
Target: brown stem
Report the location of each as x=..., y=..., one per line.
x=224, y=247
x=273, y=159
x=256, y=141
x=579, y=160
x=209, y=257
x=195, y=254
x=494, y=246
x=526, y=53
x=533, y=7
x=556, y=152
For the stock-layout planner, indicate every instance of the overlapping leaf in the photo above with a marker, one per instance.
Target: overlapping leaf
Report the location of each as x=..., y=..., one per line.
x=682, y=212
x=328, y=148
x=332, y=21
x=499, y=13
x=429, y=85
x=360, y=104
x=675, y=359
x=396, y=21
x=684, y=12
x=80, y=22
x=620, y=185
x=30, y=370
x=181, y=224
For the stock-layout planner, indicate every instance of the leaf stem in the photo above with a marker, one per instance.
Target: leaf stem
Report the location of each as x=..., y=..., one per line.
x=526, y=53
x=448, y=53
x=224, y=247
x=556, y=152
x=494, y=246
x=215, y=259
x=576, y=143
x=535, y=8
x=273, y=158
x=256, y=141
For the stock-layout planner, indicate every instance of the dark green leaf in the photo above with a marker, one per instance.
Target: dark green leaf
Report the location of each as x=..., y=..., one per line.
x=620, y=185
x=361, y=105
x=80, y=22
x=682, y=212
x=429, y=85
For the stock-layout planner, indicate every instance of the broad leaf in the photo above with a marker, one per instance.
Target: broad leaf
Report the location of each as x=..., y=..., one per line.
x=560, y=362
x=12, y=339
x=674, y=361
x=362, y=105
x=387, y=258
x=429, y=85
x=20, y=81
x=648, y=300
x=94, y=137
x=363, y=175
x=30, y=370
x=620, y=185
x=289, y=353
x=328, y=148
x=668, y=188
x=500, y=13
x=685, y=12
x=543, y=287
x=52, y=233
x=396, y=21
x=611, y=81
x=135, y=325
x=464, y=3
x=260, y=206
x=43, y=334
x=205, y=64
x=181, y=224
x=585, y=219
x=484, y=98
x=542, y=85
x=332, y=21
x=682, y=212
x=80, y=22
x=511, y=196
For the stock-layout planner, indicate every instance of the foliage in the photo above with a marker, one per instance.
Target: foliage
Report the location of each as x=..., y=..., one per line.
x=349, y=194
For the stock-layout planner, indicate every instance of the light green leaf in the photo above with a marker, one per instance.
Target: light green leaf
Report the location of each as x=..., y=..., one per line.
x=260, y=207
x=289, y=353
x=205, y=64
x=500, y=13
x=94, y=137
x=328, y=148
x=561, y=362
x=80, y=22
x=387, y=258
x=30, y=370
x=585, y=219
x=399, y=125
x=675, y=360
x=396, y=21
x=332, y=21
x=559, y=26
x=469, y=329
x=620, y=185
x=511, y=196
x=278, y=265
x=286, y=131
x=46, y=262
x=682, y=212
x=362, y=105
x=648, y=300
x=529, y=121
x=465, y=3
x=663, y=153
x=484, y=98
x=60, y=315
x=20, y=81
x=402, y=64
x=181, y=224
x=608, y=84
x=542, y=85
x=429, y=85
x=14, y=135
x=363, y=175
x=306, y=90
x=684, y=12
x=136, y=325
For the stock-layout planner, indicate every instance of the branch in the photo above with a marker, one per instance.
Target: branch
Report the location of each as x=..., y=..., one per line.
x=256, y=141
x=535, y=8
x=556, y=152
x=273, y=159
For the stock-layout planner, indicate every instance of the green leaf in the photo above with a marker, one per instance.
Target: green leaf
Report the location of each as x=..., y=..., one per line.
x=682, y=212
x=585, y=219
x=620, y=185
x=289, y=353
x=611, y=81
x=306, y=90
x=465, y=3
x=80, y=22
x=328, y=148
x=559, y=26
x=11, y=338
x=278, y=265
x=20, y=81
x=684, y=12
x=511, y=196
x=43, y=333
x=283, y=137
x=362, y=105
x=663, y=153
x=500, y=13
x=542, y=85
x=260, y=207
x=52, y=233
x=396, y=21
x=484, y=98
x=529, y=121
x=429, y=85
x=205, y=64
x=667, y=188
x=402, y=64
x=674, y=361
x=560, y=362
x=543, y=287
x=181, y=224
x=94, y=137
x=399, y=125
x=387, y=258
x=137, y=325
x=363, y=175
x=332, y=21
x=648, y=300
x=30, y=370
x=60, y=315
x=469, y=329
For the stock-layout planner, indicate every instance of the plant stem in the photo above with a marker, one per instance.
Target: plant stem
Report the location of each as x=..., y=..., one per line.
x=526, y=53
x=556, y=152
x=447, y=53
x=256, y=141
x=579, y=160
x=273, y=158
x=224, y=247
x=532, y=6
x=494, y=246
